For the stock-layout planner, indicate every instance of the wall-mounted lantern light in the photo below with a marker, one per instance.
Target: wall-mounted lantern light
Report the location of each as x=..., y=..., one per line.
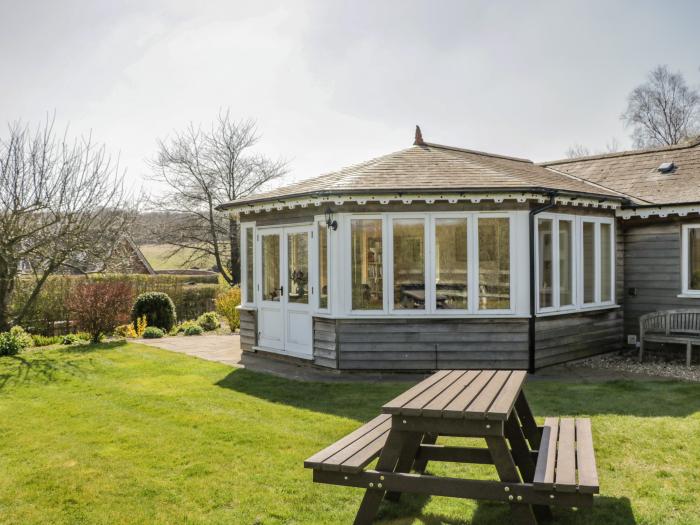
x=330, y=223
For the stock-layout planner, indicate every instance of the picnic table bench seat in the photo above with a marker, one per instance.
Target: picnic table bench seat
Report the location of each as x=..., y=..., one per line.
x=566, y=460
x=356, y=450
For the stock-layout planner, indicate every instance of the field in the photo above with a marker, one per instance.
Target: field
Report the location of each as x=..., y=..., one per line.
x=122, y=433
x=157, y=256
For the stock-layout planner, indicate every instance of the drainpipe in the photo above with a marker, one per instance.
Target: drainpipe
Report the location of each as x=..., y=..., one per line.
x=533, y=287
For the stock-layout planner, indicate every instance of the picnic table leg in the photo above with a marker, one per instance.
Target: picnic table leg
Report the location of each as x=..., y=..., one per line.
x=523, y=460
x=406, y=459
x=527, y=421
x=421, y=464
x=507, y=471
x=393, y=448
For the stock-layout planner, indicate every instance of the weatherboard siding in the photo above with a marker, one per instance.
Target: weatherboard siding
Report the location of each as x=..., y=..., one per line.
x=653, y=270
x=248, y=329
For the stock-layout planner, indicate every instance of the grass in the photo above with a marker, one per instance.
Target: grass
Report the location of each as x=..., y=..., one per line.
x=157, y=256
x=124, y=433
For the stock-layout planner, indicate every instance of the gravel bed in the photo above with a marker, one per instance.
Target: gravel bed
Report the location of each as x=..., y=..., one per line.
x=652, y=365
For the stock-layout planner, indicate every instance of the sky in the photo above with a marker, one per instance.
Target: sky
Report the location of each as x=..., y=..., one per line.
x=334, y=83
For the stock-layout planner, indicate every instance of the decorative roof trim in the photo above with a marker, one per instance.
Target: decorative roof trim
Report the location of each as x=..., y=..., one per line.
x=428, y=198
x=661, y=210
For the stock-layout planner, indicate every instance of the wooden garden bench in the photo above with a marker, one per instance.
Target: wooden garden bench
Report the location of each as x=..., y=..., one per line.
x=538, y=467
x=670, y=326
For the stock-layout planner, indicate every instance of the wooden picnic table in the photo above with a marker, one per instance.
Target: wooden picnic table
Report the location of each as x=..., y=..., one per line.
x=537, y=466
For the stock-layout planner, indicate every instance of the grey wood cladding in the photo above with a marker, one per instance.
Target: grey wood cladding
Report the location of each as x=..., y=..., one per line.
x=248, y=329
x=652, y=260
x=433, y=344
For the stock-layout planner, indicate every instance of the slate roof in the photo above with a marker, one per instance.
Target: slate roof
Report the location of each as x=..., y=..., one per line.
x=433, y=168
x=636, y=174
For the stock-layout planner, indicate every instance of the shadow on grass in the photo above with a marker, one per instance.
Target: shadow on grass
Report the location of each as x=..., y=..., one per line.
x=48, y=366
x=352, y=400
x=611, y=511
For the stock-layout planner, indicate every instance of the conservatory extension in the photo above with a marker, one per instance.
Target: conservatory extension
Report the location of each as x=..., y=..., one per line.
x=425, y=259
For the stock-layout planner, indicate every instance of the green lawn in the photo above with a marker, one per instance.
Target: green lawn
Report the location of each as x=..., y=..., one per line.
x=124, y=433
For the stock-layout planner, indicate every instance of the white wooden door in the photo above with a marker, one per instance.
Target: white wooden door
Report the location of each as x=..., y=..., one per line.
x=270, y=289
x=285, y=293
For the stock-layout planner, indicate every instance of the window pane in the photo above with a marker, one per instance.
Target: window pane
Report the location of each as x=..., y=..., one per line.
x=298, y=267
x=545, y=268
x=605, y=263
x=566, y=296
x=322, y=266
x=366, y=264
x=494, y=264
x=409, y=264
x=588, y=262
x=249, y=289
x=694, y=255
x=271, y=267
x=451, y=265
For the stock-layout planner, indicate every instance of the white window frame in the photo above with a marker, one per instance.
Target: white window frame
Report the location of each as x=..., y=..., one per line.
x=429, y=223
x=685, y=255
x=244, y=263
x=577, y=263
x=320, y=224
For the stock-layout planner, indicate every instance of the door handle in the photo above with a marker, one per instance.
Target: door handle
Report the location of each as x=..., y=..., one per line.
x=281, y=290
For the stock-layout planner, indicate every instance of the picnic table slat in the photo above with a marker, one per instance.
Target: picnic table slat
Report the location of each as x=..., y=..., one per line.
x=565, y=478
x=505, y=400
x=480, y=406
x=335, y=461
x=318, y=458
x=437, y=405
x=457, y=406
x=393, y=406
x=547, y=454
x=585, y=457
x=415, y=406
x=364, y=456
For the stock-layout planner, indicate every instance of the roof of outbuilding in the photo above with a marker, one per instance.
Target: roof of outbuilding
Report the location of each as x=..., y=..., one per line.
x=636, y=173
x=430, y=168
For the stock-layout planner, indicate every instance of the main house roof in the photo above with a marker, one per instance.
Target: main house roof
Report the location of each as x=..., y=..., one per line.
x=637, y=175
x=433, y=168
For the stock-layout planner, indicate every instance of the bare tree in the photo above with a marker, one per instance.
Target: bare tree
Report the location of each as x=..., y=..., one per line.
x=663, y=111
x=202, y=169
x=577, y=150
x=61, y=201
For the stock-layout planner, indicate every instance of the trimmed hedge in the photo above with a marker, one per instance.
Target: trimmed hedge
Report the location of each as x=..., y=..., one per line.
x=153, y=332
x=158, y=309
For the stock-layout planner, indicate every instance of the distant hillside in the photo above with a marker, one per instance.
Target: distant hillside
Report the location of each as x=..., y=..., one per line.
x=157, y=256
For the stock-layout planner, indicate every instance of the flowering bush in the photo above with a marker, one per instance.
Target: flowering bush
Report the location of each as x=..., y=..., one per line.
x=14, y=341
x=208, y=321
x=99, y=307
x=227, y=307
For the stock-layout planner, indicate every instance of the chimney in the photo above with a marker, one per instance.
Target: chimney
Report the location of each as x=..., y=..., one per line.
x=419, y=138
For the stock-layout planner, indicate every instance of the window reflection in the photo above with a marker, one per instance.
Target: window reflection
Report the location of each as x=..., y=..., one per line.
x=451, y=264
x=249, y=290
x=588, y=262
x=545, y=268
x=694, y=255
x=271, y=267
x=494, y=264
x=409, y=264
x=322, y=266
x=605, y=263
x=298, y=267
x=366, y=264
x=566, y=296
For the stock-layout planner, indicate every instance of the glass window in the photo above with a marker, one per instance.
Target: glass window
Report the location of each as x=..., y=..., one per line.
x=249, y=248
x=298, y=267
x=605, y=262
x=566, y=257
x=588, y=262
x=322, y=266
x=494, y=264
x=694, y=258
x=366, y=264
x=271, y=267
x=409, y=264
x=451, y=264
x=545, y=267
